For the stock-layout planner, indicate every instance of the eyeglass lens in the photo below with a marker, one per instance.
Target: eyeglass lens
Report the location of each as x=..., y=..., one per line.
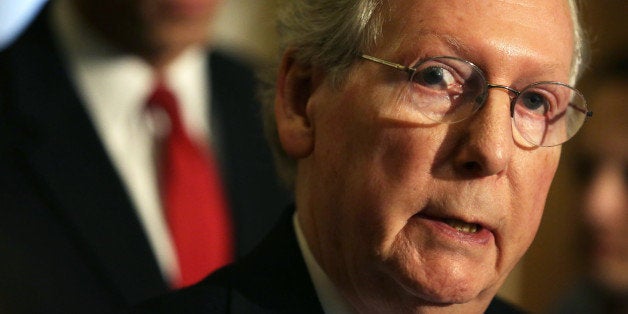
x=449, y=90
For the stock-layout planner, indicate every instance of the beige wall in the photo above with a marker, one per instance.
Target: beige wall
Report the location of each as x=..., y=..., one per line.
x=245, y=27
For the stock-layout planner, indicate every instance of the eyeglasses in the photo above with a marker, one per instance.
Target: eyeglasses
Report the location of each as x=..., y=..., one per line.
x=448, y=90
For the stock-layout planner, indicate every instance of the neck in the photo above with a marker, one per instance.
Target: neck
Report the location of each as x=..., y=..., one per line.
x=160, y=59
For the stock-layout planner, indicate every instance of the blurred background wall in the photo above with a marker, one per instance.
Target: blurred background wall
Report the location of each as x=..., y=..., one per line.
x=555, y=259
x=245, y=27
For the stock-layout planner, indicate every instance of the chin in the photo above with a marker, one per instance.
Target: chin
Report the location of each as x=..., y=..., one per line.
x=449, y=295
x=445, y=287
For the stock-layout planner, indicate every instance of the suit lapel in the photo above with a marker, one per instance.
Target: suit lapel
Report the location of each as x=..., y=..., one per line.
x=71, y=168
x=274, y=276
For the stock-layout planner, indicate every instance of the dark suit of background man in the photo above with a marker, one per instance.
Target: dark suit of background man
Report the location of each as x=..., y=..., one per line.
x=81, y=225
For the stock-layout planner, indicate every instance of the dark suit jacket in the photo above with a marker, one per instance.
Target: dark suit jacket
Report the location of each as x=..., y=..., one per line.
x=70, y=241
x=273, y=278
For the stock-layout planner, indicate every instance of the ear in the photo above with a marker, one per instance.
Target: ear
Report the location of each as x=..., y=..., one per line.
x=294, y=89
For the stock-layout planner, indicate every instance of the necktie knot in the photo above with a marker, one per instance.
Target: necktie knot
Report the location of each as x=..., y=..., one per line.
x=162, y=98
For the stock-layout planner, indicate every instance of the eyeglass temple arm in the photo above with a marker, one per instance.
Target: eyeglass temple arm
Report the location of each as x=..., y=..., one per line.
x=589, y=113
x=388, y=63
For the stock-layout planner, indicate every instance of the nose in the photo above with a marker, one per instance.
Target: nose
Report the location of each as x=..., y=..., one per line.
x=487, y=145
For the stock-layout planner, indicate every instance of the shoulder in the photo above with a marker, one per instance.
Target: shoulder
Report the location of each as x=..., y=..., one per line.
x=209, y=296
x=271, y=279
x=501, y=306
x=37, y=35
x=33, y=57
x=584, y=297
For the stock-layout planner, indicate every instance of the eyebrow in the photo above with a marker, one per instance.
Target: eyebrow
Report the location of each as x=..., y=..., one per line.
x=461, y=49
x=453, y=42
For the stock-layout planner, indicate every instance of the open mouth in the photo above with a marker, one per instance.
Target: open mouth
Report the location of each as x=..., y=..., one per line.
x=458, y=228
x=457, y=224
x=463, y=226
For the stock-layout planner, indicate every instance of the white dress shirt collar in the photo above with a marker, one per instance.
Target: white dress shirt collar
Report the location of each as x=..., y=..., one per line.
x=330, y=298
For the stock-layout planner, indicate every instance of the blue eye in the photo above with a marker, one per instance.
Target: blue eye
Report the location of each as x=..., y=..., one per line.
x=535, y=102
x=432, y=75
x=435, y=77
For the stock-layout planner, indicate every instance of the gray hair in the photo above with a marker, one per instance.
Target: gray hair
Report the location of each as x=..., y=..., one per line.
x=330, y=34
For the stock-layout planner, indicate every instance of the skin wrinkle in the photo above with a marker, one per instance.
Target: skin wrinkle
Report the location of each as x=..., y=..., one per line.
x=460, y=49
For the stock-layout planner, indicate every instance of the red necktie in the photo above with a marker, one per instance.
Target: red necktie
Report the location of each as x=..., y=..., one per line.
x=193, y=198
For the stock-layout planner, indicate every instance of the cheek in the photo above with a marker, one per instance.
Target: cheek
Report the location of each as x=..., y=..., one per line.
x=530, y=189
x=389, y=175
x=542, y=174
x=394, y=152
x=370, y=164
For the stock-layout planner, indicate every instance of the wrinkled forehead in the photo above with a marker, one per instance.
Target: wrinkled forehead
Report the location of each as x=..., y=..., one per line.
x=538, y=31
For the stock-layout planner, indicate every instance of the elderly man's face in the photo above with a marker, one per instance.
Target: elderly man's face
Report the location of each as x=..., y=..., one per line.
x=427, y=214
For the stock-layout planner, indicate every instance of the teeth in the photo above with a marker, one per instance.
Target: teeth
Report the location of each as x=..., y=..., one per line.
x=463, y=226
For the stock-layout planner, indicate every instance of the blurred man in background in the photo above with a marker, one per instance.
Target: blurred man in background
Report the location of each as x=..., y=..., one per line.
x=131, y=156
x=601, y=164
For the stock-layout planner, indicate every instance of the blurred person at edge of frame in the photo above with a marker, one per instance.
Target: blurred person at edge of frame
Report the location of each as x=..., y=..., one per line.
x=600, y=162
x=85, y=223
x=421, y=138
